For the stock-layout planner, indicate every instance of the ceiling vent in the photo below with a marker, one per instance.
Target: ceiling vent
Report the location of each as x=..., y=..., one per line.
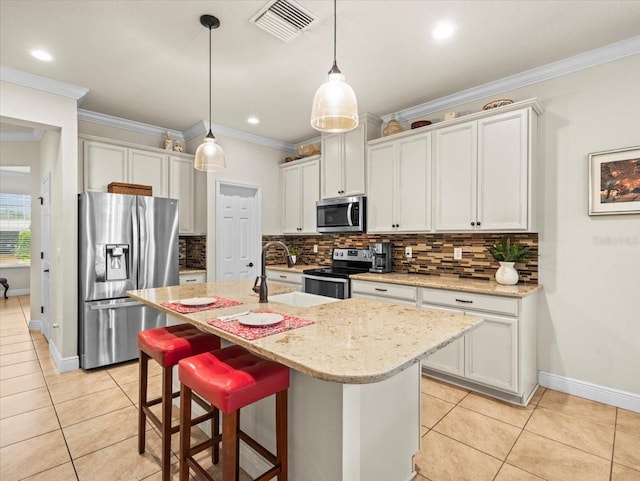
x=284, y=19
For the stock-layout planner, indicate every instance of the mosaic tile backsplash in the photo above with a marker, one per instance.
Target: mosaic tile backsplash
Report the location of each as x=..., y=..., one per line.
x=432, y=253
x=192, y=252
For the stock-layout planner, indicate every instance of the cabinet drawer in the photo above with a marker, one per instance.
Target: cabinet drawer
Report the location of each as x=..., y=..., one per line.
x=470, y=301
x=282, y=276
x=382, y=289
x=192, y=278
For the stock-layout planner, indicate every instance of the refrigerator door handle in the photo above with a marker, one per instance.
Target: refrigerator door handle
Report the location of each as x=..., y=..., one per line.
x=102, y=307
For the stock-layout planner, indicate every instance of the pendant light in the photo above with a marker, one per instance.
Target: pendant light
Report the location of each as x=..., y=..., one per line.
x=210, y=156
x=335, y=108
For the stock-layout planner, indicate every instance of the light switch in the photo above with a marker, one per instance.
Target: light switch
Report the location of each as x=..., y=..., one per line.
x=408, y=252
x=457, y=253
x=315, y=248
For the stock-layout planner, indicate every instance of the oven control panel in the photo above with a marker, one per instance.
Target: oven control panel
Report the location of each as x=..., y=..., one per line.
x=347, y=254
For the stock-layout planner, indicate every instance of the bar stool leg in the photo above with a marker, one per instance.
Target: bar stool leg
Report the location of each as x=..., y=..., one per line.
x=215, y=431
x=167, y=404
x=230, y=446
x=281, y=435
x=185, y=430
x=142, y=401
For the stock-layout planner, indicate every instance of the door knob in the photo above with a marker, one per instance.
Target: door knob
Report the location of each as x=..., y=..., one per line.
x=250, y=264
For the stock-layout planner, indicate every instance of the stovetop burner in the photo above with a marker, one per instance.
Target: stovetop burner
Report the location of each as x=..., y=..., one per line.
x=345, y=263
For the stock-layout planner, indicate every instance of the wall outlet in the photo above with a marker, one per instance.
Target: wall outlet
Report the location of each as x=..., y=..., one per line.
x=457, y=253
x=315, y=248
x=408, y=252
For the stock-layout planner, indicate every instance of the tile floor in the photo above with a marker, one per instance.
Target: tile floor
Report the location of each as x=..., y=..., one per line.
x=82, y=426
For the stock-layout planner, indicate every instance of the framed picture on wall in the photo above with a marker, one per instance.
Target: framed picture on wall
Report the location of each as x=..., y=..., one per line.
x=614, y=182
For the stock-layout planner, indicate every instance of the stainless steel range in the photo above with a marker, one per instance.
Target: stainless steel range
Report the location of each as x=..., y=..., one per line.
x=334, y=281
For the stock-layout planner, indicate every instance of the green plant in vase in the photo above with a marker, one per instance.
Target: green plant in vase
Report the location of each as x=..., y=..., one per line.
x=294, y=252
x=507, y=253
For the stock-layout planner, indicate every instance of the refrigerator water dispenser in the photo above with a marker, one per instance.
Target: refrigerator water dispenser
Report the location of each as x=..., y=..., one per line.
x=117, y=262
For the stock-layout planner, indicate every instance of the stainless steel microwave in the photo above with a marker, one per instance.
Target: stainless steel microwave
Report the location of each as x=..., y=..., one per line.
x=344, y=214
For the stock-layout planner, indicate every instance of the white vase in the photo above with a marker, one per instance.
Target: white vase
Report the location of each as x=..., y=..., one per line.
x=506, y=274
x=293, y=258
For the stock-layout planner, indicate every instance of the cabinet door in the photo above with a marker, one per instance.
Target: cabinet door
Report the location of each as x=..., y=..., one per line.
x=199, y=202
x=450, y=358
x=380, y=187
x=310, y=194
x=291, y=200
x=186, y=279
x=503, y=171
x=413, y=185
x=181, y=177
x=491, y=352
x=103, y=164
x=353, y=160
x=455, y=165
x=149, y=168
x=332, y=166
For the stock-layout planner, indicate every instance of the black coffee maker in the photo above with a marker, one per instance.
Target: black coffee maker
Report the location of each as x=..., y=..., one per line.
x=382, y=260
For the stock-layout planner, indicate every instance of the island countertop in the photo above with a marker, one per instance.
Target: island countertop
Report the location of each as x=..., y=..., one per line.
x=353, y=341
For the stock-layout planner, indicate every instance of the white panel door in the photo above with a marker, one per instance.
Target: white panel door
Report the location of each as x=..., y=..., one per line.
x=331, y=166
x=353, y=160
x=103, y=164
x=503, y=172
x=450, y=358
x=310, y=194
x=45, y=223
x=149, y=168
x=181, y=177
x=291, y=200
x=413, y=186
x=380, y=188
x=455, y=165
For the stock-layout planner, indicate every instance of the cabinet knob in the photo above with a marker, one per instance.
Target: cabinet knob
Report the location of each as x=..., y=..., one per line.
x=250, y=264
x=478, y=223
x=473, y=223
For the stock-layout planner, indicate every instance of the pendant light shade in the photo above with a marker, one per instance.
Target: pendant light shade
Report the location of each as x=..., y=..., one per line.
x=335, y=108
x=210, y=156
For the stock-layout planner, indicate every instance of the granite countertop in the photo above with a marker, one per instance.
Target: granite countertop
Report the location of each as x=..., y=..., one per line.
x=453, y=283
x=296, y=268
x=354, y=341
x=192, y=270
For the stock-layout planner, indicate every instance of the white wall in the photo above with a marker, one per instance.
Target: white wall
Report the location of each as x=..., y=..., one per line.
x=589, y=324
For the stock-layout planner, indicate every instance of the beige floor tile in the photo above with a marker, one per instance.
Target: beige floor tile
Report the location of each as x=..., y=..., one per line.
x=86, y=407
x=628, y=422
x=27, y=425
x=627, y=450
x=122, y=461
x=622, y=473
x=53, y=376
x=439, y=389
x=508, y=413
x=511, y=473
x=423, y=431
x=433, y=409
x=154, y=389
x=35, y=455
x=19, y=384
x=443, y=459
x=14, y=339
x=129, y=373
x=13, y=330
x=215, y=470
x=17, y=357
x=157, y=476
x=17, y=347
x=579, y=407
x=80, y=386
x=24, y=402
x=64, y=472
x=481, y=432
x=15, y=370
x=101, y=431
x=554, y=461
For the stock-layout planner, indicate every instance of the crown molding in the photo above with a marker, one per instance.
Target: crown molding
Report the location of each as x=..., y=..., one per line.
x=132, y=125
x=12, y=75
x=201, y=128
x=34, y=136
x=608, y=53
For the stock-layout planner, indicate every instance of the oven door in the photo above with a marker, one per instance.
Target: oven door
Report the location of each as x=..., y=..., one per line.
x=326, y=286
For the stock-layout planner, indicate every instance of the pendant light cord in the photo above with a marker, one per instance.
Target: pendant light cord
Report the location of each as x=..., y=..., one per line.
x=334, y=32
x=210, y=80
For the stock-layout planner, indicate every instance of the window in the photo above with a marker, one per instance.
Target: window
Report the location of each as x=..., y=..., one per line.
x=15, y=229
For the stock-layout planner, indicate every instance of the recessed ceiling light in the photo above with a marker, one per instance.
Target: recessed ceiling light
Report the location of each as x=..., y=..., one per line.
x=443, y=31
x=41, y=55
x=253, y=120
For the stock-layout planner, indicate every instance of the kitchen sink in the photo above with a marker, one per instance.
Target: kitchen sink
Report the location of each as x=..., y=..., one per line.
x=301, y=299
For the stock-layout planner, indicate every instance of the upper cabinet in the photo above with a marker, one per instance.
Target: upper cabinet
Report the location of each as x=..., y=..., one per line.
x=149, y=168
x=343, y=159
x=103, y=164
x=301, y=191
x=181, y=187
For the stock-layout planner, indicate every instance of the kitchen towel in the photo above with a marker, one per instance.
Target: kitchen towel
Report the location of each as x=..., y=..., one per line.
x=219, y=304
x=251, y=333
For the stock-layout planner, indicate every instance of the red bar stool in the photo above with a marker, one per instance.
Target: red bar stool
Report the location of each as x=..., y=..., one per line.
x=168, y=345
x=230, y=379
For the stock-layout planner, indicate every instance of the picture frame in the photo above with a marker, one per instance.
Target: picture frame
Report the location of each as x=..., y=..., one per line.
x=614, y=182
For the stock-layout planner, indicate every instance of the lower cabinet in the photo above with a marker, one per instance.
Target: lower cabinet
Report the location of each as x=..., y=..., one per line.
x=293, y=278
x=195, y=278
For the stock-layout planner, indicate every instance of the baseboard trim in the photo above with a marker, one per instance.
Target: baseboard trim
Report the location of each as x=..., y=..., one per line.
x=594, y=392
x=35, y=325
x=63, y=364
x=18, y=292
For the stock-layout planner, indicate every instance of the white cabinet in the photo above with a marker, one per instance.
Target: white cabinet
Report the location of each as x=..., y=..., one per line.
x=483, y=173
x=149, y=168
x=300, y=190
x=181, y=187
x=192, y=278
x=450, y=358
x=103, y=164
x=286, y=277
x=343, y=159
x=398, y=185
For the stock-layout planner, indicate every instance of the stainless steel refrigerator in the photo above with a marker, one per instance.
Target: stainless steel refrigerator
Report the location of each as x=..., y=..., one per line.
x=125, y=242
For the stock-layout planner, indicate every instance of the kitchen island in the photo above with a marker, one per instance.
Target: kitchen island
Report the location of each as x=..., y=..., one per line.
x=354, y=399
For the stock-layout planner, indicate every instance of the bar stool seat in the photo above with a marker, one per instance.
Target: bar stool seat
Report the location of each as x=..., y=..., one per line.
x=167, y=346
x=230, y=379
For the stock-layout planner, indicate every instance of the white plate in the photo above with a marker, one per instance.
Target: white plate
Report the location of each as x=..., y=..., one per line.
x=197, y=301
x=259, y=319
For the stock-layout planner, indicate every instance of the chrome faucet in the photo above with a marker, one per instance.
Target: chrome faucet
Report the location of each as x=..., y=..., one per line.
x=262, y=288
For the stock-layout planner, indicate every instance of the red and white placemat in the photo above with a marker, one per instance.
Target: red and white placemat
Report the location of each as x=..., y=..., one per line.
x=251, y=333
x=219, y=303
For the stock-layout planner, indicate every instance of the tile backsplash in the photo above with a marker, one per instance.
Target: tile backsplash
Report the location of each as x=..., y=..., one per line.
x=432, y=253
x=192, y=252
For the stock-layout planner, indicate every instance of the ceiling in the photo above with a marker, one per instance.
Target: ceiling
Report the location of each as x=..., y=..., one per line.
x=148, y=61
